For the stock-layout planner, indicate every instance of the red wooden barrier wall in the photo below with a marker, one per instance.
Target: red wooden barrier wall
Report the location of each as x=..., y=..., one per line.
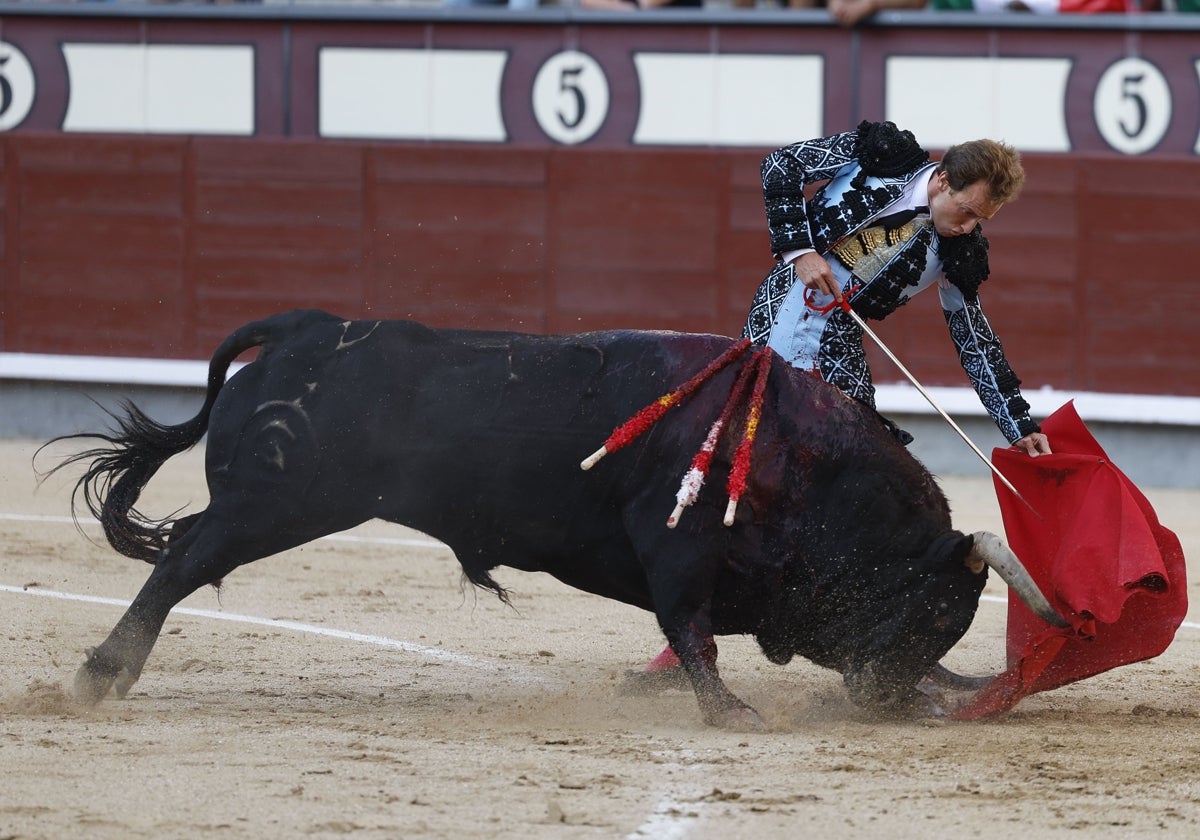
x=157, y=247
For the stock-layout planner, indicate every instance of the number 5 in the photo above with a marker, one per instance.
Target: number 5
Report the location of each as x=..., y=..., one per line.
x=569, y=83
x=1132, y=105
x=570, y=96
x=1129, y=91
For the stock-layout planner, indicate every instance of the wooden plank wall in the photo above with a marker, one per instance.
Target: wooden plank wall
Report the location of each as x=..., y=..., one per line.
x=157, y=248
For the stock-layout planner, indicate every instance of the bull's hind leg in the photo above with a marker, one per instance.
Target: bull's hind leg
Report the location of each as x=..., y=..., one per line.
x=202, y=554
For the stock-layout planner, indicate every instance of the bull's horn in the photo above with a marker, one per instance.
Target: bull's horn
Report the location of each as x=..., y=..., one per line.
x=993, y=552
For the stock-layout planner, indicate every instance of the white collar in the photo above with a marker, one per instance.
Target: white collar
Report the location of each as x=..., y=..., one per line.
x=916, y=191
x=916, y=194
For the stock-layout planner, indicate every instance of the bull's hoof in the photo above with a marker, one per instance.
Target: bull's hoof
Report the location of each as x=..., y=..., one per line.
x=124, y=682
x=90, y=687
x=736, y=719
x=93, y=680
x=638, y=683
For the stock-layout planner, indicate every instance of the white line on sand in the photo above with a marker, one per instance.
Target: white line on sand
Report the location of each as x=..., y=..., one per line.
x=283, y=624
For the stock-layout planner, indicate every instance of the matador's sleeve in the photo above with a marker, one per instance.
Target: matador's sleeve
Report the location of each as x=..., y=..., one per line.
x=785, y=174
x=982, y=357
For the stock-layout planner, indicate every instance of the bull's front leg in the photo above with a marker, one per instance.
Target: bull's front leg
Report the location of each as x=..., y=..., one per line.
x=697, y=651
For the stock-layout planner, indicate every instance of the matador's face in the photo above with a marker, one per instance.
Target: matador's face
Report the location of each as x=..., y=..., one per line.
x=955, y=212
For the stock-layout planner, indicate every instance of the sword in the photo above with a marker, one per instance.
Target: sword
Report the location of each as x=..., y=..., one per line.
x=845, y=305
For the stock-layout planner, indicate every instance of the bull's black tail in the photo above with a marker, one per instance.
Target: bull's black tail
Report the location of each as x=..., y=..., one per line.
x=138, y=446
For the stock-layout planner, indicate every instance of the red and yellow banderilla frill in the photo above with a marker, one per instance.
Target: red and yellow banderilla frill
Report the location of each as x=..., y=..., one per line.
x=693, y=480
x=635, y=426
x=740, y=470
x=759, y=364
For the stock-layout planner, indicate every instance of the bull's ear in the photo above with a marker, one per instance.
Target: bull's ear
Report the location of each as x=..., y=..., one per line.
x=952, y=549
x=962, y=551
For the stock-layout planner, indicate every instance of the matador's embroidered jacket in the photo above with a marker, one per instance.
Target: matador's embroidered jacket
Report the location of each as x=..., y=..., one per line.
x=879, y=268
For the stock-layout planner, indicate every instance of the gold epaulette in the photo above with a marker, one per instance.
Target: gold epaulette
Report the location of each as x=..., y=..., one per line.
x=868, y=251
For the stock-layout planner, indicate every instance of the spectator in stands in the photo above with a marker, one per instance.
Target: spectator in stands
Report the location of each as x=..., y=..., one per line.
x=629, y=5
x=791, y=4
x=1045, y=6
x=512, y=4
x=850, y=12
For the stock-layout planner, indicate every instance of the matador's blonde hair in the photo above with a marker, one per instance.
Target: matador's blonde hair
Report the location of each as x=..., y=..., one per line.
x=996, y=164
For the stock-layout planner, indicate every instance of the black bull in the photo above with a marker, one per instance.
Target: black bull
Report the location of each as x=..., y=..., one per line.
x=842, y=550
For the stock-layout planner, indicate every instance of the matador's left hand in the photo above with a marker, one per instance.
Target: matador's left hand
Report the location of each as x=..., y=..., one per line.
x=1034, y=444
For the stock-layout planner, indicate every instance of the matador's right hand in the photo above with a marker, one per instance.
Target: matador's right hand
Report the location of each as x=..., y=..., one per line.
x=814, y=272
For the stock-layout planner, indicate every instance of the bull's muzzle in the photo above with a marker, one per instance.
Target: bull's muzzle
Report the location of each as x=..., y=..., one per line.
x=989, y=550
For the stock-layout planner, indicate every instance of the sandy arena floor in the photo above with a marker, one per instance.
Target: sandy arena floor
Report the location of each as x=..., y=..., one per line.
x=394, y=704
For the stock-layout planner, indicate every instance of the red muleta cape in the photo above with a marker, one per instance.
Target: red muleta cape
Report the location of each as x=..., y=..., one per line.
x=1100, y=556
